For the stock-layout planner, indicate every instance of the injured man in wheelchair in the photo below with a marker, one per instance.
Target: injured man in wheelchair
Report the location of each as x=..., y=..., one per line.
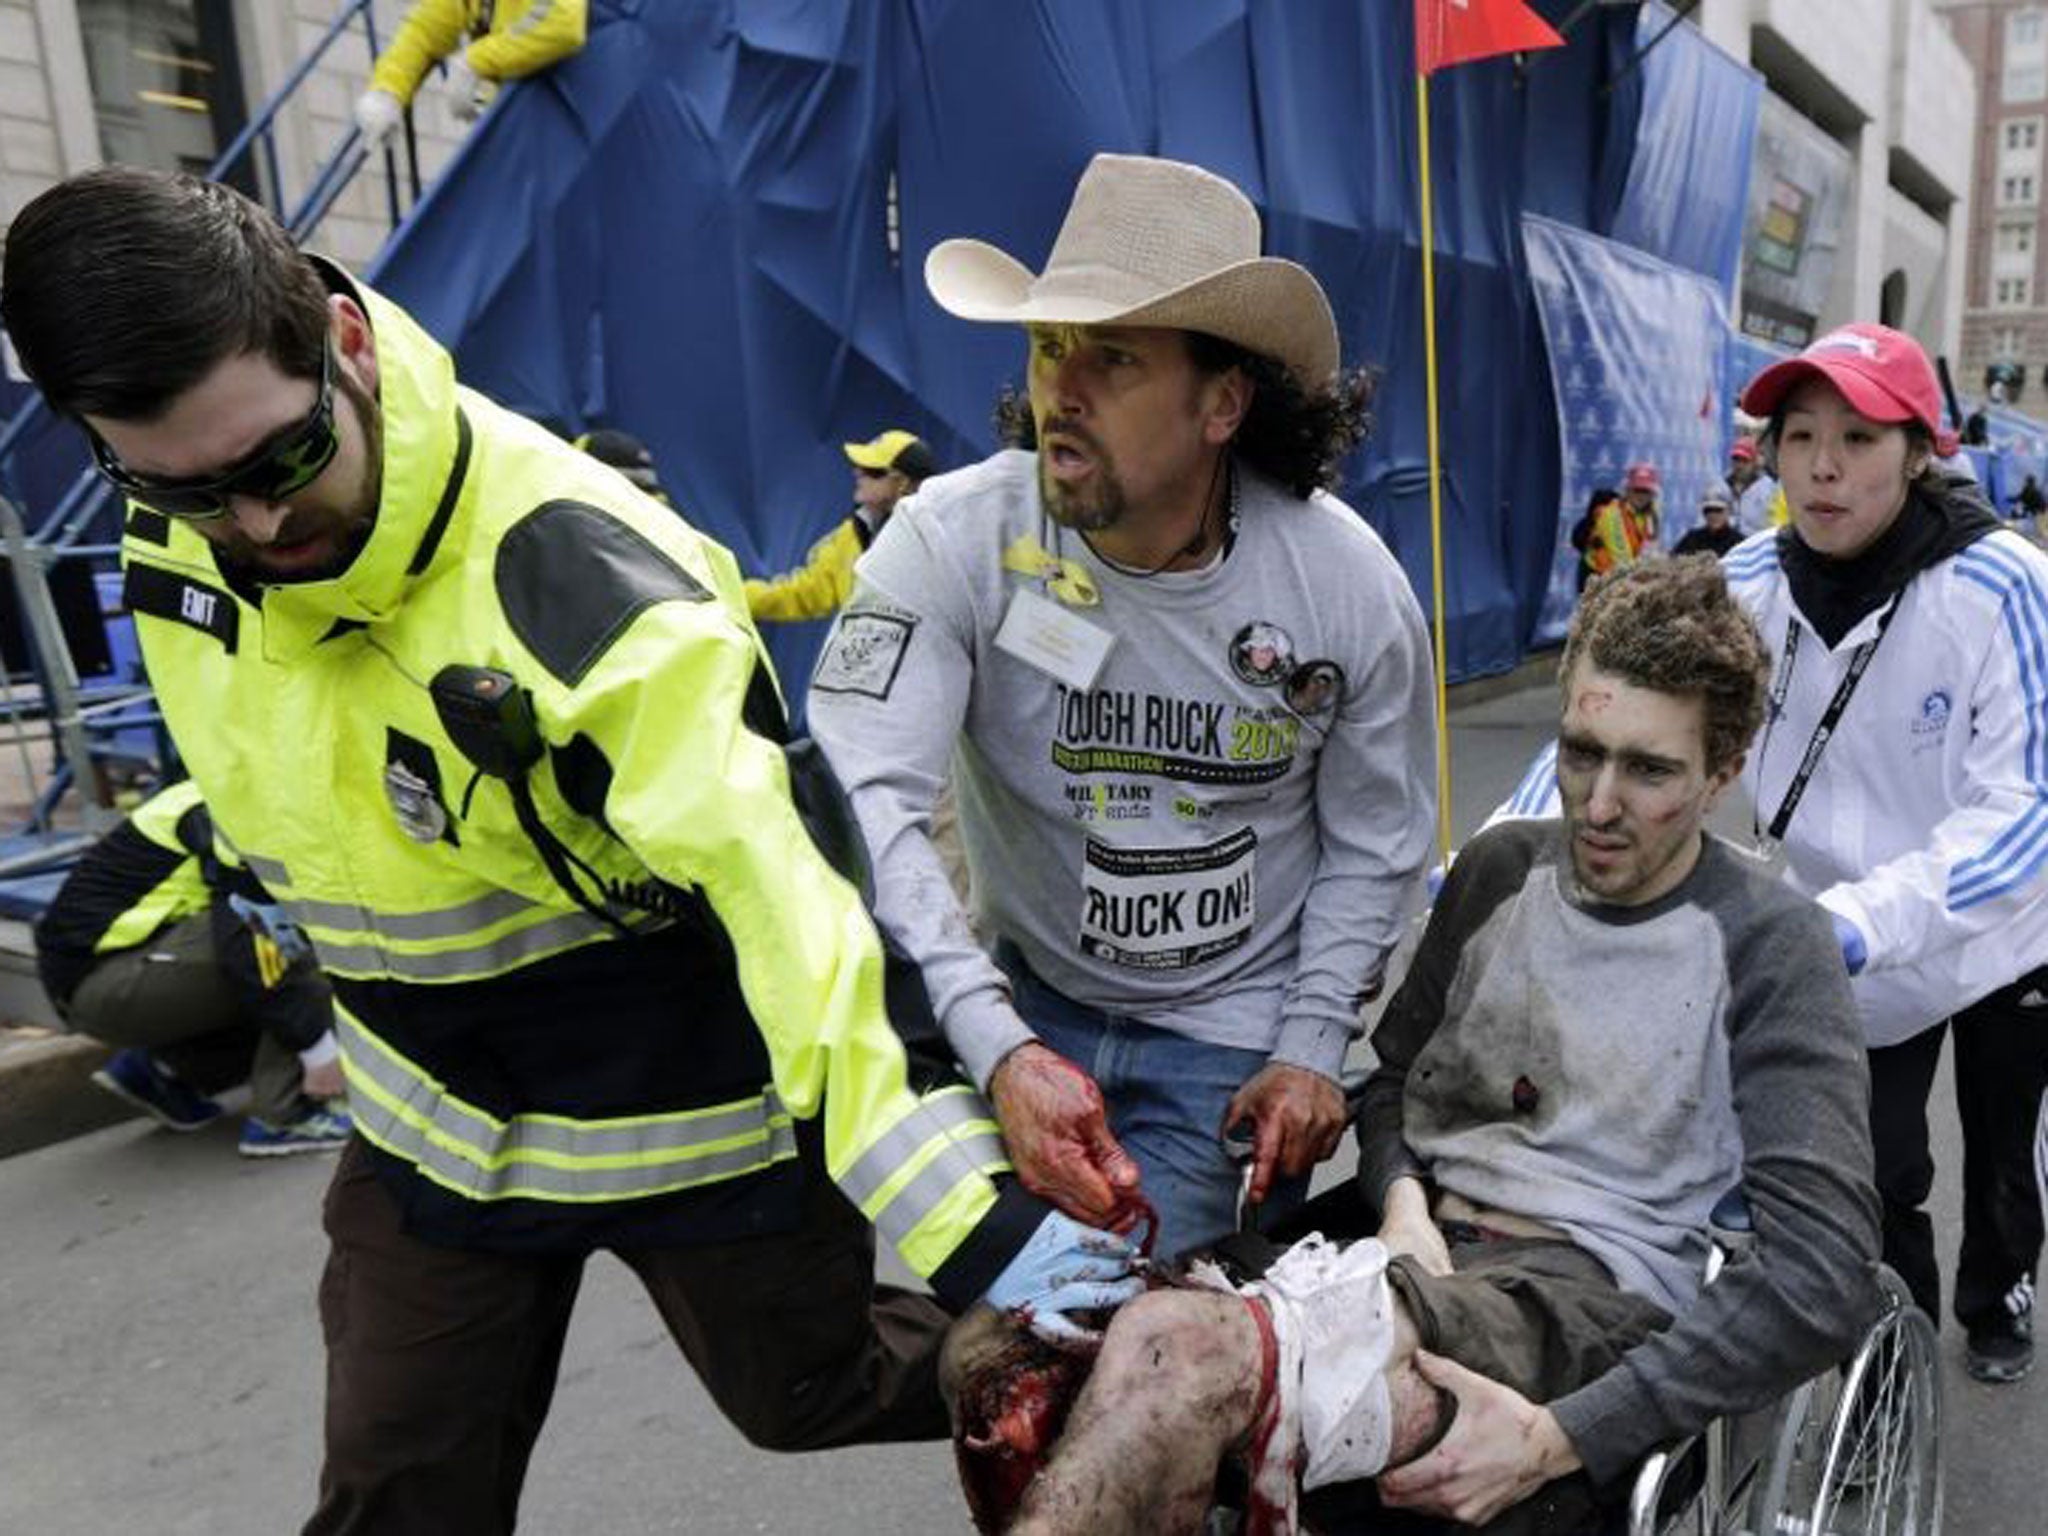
x=1611, y=1022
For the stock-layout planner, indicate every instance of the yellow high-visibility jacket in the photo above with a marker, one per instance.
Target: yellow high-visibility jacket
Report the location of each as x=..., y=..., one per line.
x=526, y=1068
x=507, y=39
x=819, y=587
x=140, y=878
x=1620, y=534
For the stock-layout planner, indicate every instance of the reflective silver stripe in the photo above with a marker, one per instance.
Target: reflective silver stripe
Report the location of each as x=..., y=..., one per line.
x=962, y=1160
x=488, y=958
x=444, y=923
x=939, y=1116
x=269, y=871
x=541, y=1181
x=554, y=1136
x=547, y=1156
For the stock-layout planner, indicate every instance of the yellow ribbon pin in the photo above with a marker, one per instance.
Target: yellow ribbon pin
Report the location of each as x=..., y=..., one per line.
x=1067, y=580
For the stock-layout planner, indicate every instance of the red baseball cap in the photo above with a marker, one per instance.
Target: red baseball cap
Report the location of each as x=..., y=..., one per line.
x=1881, y=372
x=1642, y=477
x=1744, y=449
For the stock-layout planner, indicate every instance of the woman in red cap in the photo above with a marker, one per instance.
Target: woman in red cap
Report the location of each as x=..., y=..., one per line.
x=1904, y=769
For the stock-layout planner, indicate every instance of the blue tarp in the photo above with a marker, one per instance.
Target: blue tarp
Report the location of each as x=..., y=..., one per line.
x=1635, y=357
x=1688, y=176
x=709, y=227
x=695, y=242
x=1749, y=356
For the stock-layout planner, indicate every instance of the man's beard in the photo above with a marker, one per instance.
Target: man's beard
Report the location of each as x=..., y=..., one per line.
x=1084, y=514
x=1098, y=504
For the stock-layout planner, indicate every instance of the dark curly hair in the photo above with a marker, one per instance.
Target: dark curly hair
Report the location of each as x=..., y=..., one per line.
x=1290, y=435
x=1671, y=624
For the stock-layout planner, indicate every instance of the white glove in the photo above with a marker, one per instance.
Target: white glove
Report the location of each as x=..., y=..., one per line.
x=464, y=86
x=377, y=114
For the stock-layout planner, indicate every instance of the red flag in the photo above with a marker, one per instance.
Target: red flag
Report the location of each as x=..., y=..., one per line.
x=1451, y=32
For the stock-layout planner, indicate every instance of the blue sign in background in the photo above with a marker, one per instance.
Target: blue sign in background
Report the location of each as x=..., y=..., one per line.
x=1635, y=361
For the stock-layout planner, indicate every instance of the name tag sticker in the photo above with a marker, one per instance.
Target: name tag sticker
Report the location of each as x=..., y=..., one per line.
x=1055, y=640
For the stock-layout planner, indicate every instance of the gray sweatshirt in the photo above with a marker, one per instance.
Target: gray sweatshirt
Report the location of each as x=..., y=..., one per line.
x=1613, y=1071
x=1218, y=834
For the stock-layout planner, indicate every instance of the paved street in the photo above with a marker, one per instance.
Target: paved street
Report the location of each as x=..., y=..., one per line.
x=160, y=1361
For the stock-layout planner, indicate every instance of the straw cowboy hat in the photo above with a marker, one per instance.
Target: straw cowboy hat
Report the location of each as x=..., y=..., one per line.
x=1151, y=242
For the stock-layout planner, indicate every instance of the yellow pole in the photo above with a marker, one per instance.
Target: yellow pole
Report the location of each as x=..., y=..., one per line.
x=1436, y=495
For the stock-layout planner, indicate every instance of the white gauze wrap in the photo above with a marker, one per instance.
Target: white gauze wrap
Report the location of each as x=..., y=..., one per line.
x=1334, y=1314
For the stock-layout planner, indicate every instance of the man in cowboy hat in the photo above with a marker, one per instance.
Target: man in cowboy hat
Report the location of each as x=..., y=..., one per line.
x=1192, y=871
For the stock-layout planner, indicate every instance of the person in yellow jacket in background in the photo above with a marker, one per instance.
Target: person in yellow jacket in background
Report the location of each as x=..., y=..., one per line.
x=160, y=944
x=1626, y=527
x=483, y=42
x=494, y=729
x=885, y=470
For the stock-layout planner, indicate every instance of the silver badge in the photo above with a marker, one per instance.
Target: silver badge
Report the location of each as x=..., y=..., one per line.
x=414, y=803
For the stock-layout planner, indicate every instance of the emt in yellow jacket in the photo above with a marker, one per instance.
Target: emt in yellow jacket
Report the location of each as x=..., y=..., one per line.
x=495, y=730
x=484, y=41
x=158, y=944
x=885, y=470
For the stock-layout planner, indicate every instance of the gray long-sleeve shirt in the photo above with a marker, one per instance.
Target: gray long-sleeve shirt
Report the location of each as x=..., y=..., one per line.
x=1613, y=1071
x=1218, y=834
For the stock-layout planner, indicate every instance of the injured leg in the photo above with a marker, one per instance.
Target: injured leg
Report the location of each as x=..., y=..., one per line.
x=1009, y=1393
x=1307, y=1375
x=1180, y=1380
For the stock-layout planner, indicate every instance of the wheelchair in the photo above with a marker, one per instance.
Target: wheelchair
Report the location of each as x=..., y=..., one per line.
x=1854, y=1452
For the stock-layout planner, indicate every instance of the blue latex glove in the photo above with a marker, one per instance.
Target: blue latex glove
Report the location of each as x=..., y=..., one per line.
x=1855, y=948
x=1066, y=1267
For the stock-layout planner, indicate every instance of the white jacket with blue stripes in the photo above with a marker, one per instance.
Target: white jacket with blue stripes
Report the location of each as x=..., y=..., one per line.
x=1926, y=820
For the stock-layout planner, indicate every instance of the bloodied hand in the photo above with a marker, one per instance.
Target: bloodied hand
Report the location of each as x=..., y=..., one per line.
x=1058, y=1134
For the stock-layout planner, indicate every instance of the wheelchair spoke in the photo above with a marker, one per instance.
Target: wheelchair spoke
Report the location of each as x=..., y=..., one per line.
x=1855, y=1451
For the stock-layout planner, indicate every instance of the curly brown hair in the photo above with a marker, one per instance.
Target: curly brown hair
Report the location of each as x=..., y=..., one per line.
x=1290, y=434
x=1671, y=624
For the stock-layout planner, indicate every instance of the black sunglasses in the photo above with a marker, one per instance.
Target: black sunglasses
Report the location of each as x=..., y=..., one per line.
x=281, y=467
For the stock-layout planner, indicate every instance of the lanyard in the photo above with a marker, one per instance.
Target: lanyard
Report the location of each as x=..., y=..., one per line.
x=1858, y=665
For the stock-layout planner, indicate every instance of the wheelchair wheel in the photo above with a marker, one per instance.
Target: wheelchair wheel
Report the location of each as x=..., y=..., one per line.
x=1864, y=1459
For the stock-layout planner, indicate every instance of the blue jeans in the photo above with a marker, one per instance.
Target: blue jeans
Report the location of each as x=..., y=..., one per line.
x=1165, y=1095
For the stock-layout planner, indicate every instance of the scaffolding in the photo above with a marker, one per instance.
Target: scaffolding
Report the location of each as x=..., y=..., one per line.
x=66, y=745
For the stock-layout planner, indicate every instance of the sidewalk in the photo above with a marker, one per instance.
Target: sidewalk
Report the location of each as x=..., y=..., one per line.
x=45, y=1095
x=45, y=1090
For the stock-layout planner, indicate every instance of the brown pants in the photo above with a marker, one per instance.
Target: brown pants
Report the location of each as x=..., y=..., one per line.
x=1543, y=1317
x=441, y=1362
x=172, y=998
